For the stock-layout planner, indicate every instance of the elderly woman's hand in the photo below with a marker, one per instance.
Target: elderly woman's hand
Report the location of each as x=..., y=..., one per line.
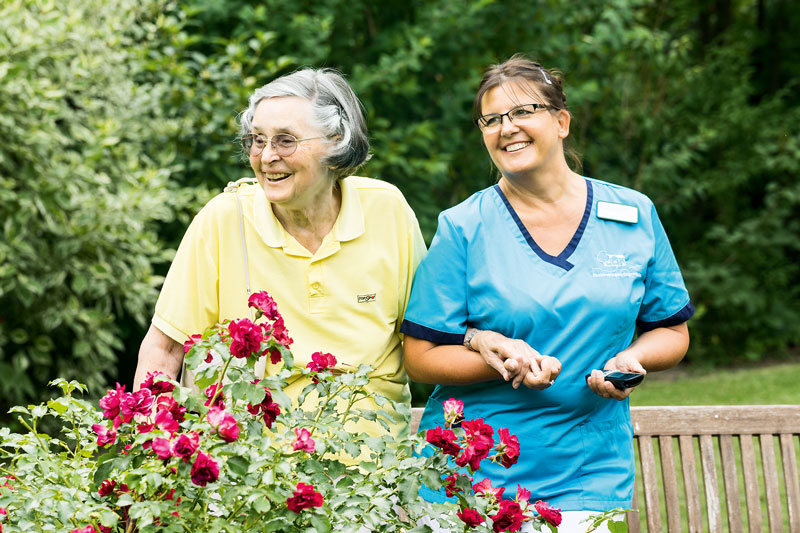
x=515, y=360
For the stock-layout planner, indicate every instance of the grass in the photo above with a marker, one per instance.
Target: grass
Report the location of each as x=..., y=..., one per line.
x=767, y=384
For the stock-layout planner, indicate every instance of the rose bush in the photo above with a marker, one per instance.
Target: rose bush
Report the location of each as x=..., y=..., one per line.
x=241, y=456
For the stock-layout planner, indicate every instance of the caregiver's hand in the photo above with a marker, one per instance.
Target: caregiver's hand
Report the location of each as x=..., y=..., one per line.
x=515, y=360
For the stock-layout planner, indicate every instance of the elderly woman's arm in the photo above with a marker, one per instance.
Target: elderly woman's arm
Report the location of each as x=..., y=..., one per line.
x=158, y=352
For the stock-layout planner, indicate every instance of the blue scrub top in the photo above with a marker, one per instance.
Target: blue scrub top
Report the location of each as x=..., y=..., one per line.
x=485, y=270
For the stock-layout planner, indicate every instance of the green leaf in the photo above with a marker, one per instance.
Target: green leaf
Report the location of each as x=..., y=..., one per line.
x=238, y=465
x=617, y=527
x=409, y=489
x=320, y=522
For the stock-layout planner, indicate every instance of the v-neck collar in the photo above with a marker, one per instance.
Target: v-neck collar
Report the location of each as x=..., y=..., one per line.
x=561, y=259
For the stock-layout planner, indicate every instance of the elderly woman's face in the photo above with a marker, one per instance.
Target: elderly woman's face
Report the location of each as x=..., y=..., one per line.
x=297, y=180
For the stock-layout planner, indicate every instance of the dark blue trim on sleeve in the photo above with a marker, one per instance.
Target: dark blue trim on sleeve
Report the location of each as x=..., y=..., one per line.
x=678, y=318
x=429, y=334
x=561, y=260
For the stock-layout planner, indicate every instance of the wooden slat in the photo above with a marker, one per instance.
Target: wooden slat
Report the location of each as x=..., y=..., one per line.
x=716, y=420
x=650, y=483
x=792, y=481
x=670, y=484
x=731, y=481
x=751, y=484
x=709, y=465
x=771, y=483
x=693, y=512
x=632, y=516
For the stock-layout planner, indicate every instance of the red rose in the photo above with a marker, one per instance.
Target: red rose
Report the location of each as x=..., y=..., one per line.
x=550, y=515
x=224, y=423
x=303, y=441
x=508, y=449
x=444, y=439
x=106, y=487
x=280, y=333
x=162, y=447
x=508, y=518
x=110, y=402
x=304, y=497
x=471, y=517
x=479, y=442
x=205, y=470
x=210, y=391
x=104, y=435
x=523, y=495
x=138, y=403
x=185, y=446
x=166, y=422
x=450, y=487
x=190, y=342
x=453, y=412
x=246, y=337
x=168, y=403
x=270, y=413
x=157, y=387
x=321, y=361
x=485, y=489
x=274, y=355
x=264, y=305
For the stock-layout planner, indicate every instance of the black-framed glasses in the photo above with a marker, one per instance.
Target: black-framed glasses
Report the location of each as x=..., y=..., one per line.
x=519, y=114
x=283, y=144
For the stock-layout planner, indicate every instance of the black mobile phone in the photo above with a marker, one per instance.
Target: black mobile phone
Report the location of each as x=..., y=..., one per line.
x=622, y=380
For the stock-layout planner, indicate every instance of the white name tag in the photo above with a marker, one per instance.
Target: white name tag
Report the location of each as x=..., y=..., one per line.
x=618, y=212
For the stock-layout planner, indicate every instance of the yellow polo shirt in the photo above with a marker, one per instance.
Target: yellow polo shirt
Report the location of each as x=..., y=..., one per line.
x=347, y=299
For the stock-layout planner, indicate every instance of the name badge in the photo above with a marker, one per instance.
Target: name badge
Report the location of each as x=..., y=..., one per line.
x=618, y=212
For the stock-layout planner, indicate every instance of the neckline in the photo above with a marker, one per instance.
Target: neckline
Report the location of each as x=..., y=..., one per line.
x=559, y=260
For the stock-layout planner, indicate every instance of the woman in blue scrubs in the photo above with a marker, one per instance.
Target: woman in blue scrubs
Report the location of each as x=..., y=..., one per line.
x=533, y=284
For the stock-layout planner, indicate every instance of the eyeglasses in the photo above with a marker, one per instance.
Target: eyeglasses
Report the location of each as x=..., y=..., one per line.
x=283, y=144
x=518, y=115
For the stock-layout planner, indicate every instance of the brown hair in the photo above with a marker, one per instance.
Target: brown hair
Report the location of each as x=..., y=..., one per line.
x=548, y=84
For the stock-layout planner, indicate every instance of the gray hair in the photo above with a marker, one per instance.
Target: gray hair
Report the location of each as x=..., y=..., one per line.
x=335, y=108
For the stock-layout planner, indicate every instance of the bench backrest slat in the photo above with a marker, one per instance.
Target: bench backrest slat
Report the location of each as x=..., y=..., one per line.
x=751, y=483
x=731, y=481
x=771, y=482
x=789, y=459
x=670, y=479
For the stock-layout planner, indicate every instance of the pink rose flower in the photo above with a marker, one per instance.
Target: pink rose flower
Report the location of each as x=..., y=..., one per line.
x=246, y=337
x=168, y=403
x=157, y=387
x=166, y=422
x=264, y=305
x=523, y=495
x=550, y=515
x=444, y=439
x=508, y=517
x=205, y=470
x=280, y=333
x=210, y=391
x=303, y=441
x=304, y=497
x=470, y=517
x=321, y=361
x=104, y=435
x=106, y=488
x=484, y=488
x=190, y=342
x=453, y=412
x=450, y=487
x=185, y=446
x=224, y=423
x=138, y=403
x=508, y=449
x=145, y=428
x=162, y=447
x=110, y=402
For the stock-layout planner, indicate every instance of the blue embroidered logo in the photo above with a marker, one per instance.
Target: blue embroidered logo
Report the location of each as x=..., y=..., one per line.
x=614, y=266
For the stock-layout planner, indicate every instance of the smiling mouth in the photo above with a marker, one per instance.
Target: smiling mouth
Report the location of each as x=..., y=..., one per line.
x=274, y=178
x=516, y=146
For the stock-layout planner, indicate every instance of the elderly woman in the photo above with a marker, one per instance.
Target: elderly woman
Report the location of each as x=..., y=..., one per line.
x=337, y=252
x=545, y=262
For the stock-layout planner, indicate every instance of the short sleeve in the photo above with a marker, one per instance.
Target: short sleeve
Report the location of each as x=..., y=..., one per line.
x=437, y=309
x=188, y=302
x=666, y=300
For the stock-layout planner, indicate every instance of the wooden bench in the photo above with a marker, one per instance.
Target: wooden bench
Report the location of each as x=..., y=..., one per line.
x=704, y=444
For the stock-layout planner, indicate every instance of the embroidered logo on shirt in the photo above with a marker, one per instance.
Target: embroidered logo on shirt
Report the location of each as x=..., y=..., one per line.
x=364, y=298
x=614, y=266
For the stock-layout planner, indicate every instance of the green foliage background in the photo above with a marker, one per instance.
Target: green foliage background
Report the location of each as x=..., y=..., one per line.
x=118, y=120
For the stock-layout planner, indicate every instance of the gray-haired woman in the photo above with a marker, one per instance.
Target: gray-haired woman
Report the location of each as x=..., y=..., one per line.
x=337, y=252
